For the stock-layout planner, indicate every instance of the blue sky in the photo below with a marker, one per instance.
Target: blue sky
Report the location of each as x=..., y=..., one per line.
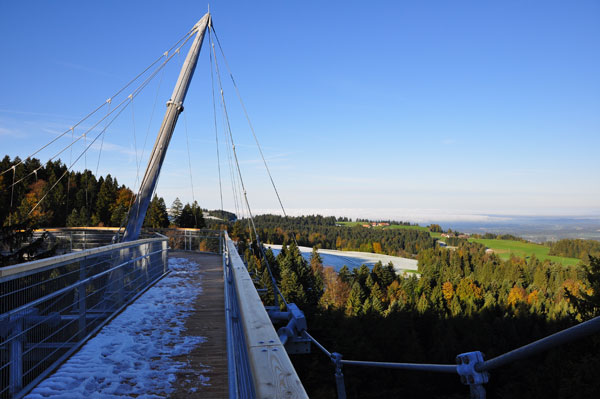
x=413, y=110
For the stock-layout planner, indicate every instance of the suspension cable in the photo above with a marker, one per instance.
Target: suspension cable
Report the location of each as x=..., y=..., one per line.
x=76, y=160
x=251, y=217
x=186, y=37
x=101, y=146
x=137, y=161
x=187, y=141
x=69, y=178
x=133, y=94
x=212, y=83
x=249, y=123
x=12, y=191
x=252, y=129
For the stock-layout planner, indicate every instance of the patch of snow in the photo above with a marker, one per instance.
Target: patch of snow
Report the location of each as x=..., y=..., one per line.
x=353, y=259
x=132, y=355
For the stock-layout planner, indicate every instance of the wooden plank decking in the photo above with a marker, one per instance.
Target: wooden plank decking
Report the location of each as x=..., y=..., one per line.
x=208, y=359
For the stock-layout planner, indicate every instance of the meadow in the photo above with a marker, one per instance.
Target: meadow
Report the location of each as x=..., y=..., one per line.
x=503, y=248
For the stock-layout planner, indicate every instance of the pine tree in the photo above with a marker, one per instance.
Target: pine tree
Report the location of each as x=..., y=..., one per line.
x=422, y=304
x=354, y=304
x=317, y=285
x=345, y=275
x=265, y=281
x=376, y=298
x=291, y=288
x=191, y=216
x=106, y=198
x=175, y=210
x=156, y=216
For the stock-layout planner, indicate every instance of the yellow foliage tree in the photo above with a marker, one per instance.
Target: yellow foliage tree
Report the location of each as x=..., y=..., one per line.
x=448, y=291
x=517, y=294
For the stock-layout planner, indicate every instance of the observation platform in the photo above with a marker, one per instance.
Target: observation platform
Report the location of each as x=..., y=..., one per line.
x=170, y=342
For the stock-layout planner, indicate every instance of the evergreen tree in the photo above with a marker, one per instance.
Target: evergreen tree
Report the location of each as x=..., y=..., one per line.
x=376, y=298
x=265, y=281
x=156, y=216
x=291, y=288
x=106, y=198
x=357, y=296
x=175, y=210
x=191, y=216
x=344, y=274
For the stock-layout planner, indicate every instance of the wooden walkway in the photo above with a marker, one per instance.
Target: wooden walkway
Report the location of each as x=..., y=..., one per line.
x=208, y=359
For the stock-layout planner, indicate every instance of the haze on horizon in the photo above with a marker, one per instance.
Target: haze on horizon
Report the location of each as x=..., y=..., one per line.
x=437, y=111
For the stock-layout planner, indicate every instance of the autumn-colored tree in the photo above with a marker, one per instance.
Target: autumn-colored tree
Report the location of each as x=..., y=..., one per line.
x=377, y=248
x=587, y=303
x=30, y=211
x=516, y=295
x=448, y=291
x=336, y=290
x=121, y=206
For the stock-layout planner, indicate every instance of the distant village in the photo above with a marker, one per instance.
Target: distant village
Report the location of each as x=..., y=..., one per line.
x=376, y=224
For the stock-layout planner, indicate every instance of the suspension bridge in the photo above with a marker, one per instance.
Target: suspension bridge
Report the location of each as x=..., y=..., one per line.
x=51, y=307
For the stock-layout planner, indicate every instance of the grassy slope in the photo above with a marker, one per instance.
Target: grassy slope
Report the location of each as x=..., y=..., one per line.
x=504, y=248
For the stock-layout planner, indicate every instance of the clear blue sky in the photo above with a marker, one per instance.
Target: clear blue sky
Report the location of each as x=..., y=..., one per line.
x=383, y=109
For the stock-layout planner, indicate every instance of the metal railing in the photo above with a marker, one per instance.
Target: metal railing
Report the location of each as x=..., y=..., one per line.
x=240, y=378
x=471, y=366
x=50, y=307
x=73, y=240
x=258, y=363
x=199, y=240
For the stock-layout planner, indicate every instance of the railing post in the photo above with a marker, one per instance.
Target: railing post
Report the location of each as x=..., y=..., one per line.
x=16, y=357
x=165, y=255
x=81, y=299
x=339, y=376
x=220, y=242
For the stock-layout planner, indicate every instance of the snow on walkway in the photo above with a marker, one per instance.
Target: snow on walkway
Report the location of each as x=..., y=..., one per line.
x=131, y=356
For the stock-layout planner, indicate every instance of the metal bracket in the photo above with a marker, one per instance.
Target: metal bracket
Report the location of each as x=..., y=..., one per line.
x=179, y=106
x=291, y=334
x=466, y=363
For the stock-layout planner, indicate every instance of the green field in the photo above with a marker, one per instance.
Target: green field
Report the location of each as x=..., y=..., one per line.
x=505, y=248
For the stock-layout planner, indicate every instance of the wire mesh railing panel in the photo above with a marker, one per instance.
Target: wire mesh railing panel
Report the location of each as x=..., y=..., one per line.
x=47, y=314
x=194, y=240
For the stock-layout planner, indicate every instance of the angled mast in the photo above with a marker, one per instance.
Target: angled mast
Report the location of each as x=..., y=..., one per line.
x=136, y=215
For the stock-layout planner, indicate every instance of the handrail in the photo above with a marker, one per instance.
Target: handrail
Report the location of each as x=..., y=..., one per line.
x=272, y=371
x=437, y=368
x=570, y=334
x=40, y=264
